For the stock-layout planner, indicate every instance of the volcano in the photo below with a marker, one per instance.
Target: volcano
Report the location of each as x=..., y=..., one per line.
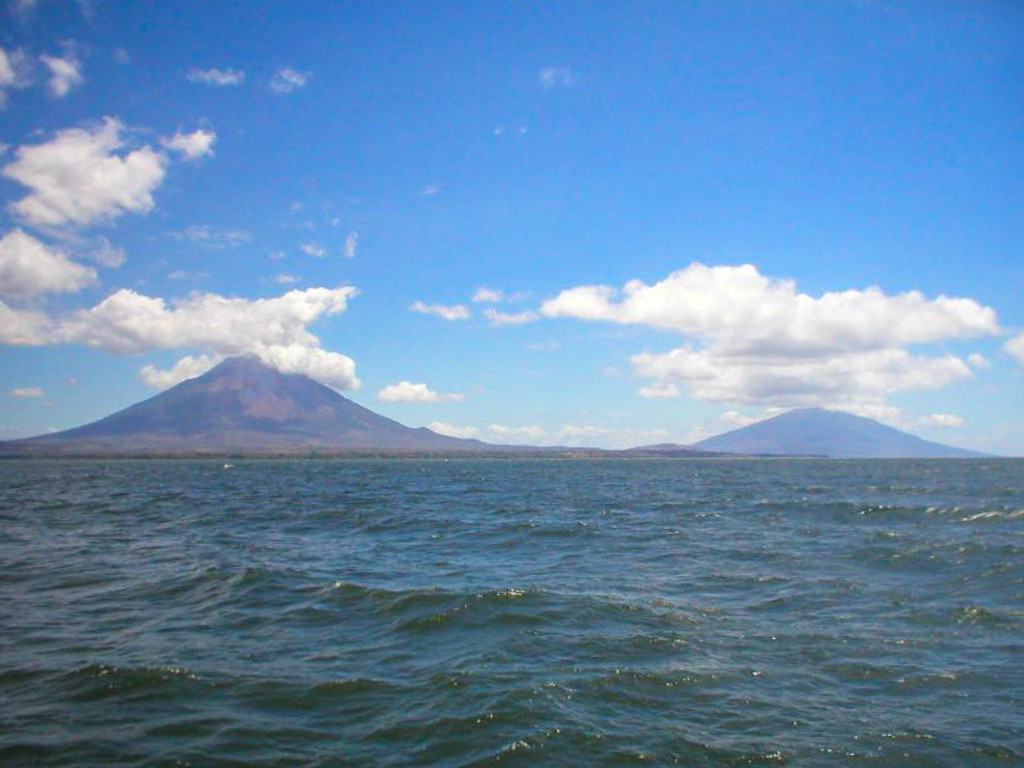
x=242, y=406
x=818, y=432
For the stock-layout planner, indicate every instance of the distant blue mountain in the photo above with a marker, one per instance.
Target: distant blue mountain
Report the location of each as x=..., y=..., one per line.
x=817, y=432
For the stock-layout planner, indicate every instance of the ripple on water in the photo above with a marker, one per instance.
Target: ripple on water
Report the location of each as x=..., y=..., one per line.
x=535, y=613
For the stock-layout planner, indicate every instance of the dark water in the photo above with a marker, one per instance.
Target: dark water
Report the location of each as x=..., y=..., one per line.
x=553, y=613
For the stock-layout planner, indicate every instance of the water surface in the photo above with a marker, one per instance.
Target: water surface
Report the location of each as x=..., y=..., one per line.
x=496, y=612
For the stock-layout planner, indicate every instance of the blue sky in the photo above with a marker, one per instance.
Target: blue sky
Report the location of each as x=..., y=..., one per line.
x=687, y=215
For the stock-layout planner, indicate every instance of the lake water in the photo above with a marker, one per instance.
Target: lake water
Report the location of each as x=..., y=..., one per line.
x=521, y=613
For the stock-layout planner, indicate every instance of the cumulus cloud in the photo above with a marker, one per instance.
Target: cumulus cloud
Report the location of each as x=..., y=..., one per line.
x=757, y=340
x=127, y=322
x=215, y=76
x=130, y=322
x=187, y=367
x=23, y=327
x=556, y=77
x=446, y=312
x=1015, y=347
x=408, y=392
x=26, y=392
x=80, y=178
x=191, y=146
x=331, y=368
x=745, y=311
x=287, y=79
x=496, y=317
x=28, y=268
x=351, y=245
x=836, y=379
x=485, y=295
x=65, y=74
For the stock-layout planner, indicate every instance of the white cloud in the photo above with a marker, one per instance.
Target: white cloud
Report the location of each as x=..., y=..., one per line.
x=659, y=389
x=431, y=189
x=14, y=72
x=485, y=295
x=351, y=245
x=760, y=341
x=446, y=312
x=211, y=238
x=187, y=367
x=215, y=76
x=942, y=420
x=286, y=80
x=1015, y=347
x=586, y=435
x=331, y=368
x=529, y=434
x=444, y=428
x=191, y=146
x=841, y=379
x=108, y=255
x=408, y=392
x=28, y=268
x=497, y=317
x=78, y=177
x=274, y=329
x=23, y=327
x=556, y=77
x=313, y=249
x=285, y=279
x=129, y=322
x=26, y=392
x=65, y=74
x=978, y=361
x=744, y=311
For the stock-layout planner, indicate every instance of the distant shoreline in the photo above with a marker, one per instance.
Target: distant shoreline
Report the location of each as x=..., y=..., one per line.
x=529, y=454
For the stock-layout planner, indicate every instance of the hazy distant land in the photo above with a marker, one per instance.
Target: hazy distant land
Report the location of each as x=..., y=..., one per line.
x=243, y=407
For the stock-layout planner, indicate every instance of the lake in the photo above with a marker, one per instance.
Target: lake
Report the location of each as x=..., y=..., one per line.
x=539, y=612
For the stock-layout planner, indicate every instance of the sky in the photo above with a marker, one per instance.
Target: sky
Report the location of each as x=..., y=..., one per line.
x=571, y=223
